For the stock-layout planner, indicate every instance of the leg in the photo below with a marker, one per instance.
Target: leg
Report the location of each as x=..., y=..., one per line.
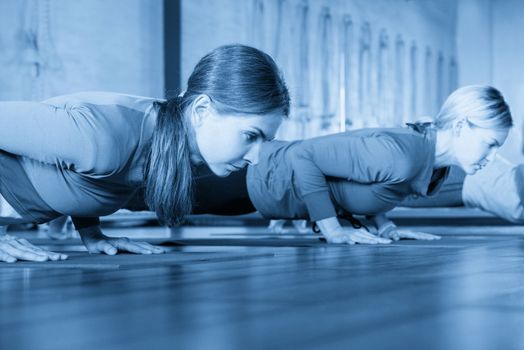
x=58, y=228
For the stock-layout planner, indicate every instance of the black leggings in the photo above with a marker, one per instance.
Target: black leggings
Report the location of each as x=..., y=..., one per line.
x=221, y=195
x=212, y=194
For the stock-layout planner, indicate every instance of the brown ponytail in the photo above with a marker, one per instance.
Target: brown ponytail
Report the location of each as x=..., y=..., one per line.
x=168, y=170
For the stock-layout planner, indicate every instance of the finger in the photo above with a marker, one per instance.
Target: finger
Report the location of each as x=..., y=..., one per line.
x=129, y=246
x=337, y=239
x=394, y=236
x=50, y=254
x=29, y=245
x=147, y=246
x=383, y=240
x=7, y=258
x=372, y=236
x=361, y=238
x=18, y=244
x=22, y=255
x=106, y=247
x=153, y=248
x=348, y=240
x=375, y=239
x=418, y=235
x=24, y=245
x=426, y=236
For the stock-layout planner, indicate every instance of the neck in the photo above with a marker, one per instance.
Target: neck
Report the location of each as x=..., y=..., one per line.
x=443, y=155
x=194, y=152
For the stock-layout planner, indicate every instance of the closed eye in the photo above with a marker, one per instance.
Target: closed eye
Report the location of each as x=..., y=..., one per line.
x=493, y=144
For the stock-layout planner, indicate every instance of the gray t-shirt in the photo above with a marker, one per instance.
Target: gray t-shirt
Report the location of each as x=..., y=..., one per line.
x=366, y=171
x=81, y=154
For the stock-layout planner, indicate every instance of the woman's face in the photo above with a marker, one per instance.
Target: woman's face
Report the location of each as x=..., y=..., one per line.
x=474, y=147
x=228, y=143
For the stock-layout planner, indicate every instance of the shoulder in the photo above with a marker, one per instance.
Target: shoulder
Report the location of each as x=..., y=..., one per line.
x=109, y=126
x=405, y=150
x=101, y=98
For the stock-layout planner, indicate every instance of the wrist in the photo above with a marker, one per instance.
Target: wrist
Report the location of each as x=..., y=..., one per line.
x=328, y=225
x=386, y=228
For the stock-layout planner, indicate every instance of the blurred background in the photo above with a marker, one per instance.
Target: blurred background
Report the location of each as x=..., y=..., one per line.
x=348, y=63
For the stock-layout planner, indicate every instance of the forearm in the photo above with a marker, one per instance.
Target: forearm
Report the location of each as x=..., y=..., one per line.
x=319, y=206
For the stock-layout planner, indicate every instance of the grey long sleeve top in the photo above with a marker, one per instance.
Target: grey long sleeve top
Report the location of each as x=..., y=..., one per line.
x=306, y=179
x=79, y=155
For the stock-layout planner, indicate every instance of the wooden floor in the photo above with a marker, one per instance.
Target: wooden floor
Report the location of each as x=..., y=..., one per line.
x=261, y=291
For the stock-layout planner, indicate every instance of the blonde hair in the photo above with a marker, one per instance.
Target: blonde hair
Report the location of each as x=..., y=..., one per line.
x=481, y=105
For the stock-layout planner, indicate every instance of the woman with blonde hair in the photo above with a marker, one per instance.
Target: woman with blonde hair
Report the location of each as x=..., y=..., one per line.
x=370, y=171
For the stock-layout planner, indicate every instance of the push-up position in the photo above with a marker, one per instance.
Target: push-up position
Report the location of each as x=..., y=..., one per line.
x=370, y=171
x=87, y=154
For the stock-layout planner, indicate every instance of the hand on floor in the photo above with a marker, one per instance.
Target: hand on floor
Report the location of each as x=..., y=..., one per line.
x=13, y=249
x=351, y=236
x=96, y=242
x=277, y=226
x=391, y=231
x=301, y=226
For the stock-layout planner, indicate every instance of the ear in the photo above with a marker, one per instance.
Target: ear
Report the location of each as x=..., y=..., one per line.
x=458, y=125
x=200, y=109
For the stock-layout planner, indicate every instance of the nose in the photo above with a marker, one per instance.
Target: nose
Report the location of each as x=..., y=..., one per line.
x=252, y=155
x=491, y=155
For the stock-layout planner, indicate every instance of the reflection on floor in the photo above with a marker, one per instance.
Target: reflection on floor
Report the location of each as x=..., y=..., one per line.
x=258, y=291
